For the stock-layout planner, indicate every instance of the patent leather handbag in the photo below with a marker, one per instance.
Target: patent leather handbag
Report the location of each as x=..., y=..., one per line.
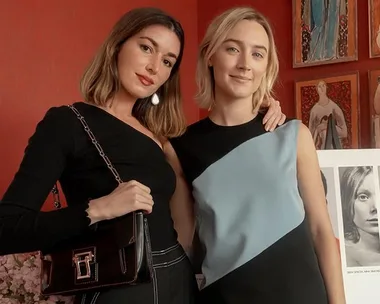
x=117, y=253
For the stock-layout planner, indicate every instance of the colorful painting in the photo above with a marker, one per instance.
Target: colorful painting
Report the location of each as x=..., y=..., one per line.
x=324, y=32
x=316, y=99
x=374, y=106
x=374, y=28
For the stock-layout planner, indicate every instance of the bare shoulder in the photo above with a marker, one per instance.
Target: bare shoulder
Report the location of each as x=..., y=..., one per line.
x=351, y=255
x=167, y=147
x=171, y=156
x=304, y=132
x=305, y=139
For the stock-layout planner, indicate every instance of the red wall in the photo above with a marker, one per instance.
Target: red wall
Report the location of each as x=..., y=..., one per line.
x=280, y=14
x=45, y=45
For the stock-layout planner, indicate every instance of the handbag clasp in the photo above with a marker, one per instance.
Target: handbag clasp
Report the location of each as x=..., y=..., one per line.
x=82, y=262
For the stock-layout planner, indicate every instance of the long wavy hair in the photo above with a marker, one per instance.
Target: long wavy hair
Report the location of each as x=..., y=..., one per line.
x=100, y=82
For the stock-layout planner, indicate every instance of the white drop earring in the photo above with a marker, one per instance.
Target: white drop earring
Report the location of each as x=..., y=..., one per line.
x=155, y=100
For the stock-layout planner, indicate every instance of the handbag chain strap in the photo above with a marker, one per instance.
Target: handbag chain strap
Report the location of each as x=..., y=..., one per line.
x=55, y=192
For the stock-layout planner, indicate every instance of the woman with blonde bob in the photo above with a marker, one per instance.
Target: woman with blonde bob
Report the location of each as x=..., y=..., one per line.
x=265, y=240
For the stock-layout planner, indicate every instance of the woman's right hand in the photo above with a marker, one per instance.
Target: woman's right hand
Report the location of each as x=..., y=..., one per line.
x=126, y=198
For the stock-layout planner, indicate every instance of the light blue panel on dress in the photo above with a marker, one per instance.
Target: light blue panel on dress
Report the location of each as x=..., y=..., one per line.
x=248, y=200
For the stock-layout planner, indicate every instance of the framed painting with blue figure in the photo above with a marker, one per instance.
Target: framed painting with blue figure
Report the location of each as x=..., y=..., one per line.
x=338, y=95
x=324, y=32
x=374, y=28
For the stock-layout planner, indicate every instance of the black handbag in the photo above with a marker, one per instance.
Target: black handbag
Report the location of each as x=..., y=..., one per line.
x=117, y=253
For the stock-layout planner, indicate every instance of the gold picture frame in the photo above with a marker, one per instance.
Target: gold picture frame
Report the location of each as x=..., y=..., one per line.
x=338, y=95
x=374, y=28
x=374, y=106
x=326, y=34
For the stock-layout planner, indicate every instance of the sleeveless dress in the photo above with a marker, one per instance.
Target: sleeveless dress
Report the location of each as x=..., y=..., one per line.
x=251, y=222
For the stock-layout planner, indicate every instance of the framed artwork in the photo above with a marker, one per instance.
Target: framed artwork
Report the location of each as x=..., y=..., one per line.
x=324, y=32
x=338, y=95
x=374, y=106
x=374, y=28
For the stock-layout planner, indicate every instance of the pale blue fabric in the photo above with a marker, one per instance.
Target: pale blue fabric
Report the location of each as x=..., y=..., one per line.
x=248, y=200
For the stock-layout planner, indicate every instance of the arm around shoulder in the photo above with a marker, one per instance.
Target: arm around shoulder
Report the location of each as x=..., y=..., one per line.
x=312, y=193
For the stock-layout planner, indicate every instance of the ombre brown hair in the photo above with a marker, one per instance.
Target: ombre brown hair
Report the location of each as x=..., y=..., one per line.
x=100, y=82
x=216, y=33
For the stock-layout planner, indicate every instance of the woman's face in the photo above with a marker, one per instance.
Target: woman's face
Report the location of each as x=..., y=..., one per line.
x=146, y=60
x=240, y=63
x=321, y=88
x=365, y=207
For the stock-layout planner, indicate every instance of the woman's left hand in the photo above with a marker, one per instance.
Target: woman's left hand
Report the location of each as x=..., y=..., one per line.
x=274, y=116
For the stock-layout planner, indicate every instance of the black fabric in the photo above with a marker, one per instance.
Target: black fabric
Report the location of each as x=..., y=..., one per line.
x=332, y=139
x=286, y=273
x=61, y=150
x=175, y=284
x=205, y=142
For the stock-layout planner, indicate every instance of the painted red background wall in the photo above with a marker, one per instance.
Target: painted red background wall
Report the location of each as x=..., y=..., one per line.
x=45, y=45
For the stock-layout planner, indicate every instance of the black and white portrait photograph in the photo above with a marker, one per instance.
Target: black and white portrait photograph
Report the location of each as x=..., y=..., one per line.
x=360, y=217
x=327, y=175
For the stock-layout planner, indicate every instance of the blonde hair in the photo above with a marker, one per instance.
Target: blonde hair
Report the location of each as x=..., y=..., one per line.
x=100, y=82
x=216, y=33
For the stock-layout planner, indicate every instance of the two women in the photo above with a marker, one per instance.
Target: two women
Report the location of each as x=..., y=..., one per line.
x=132, y=104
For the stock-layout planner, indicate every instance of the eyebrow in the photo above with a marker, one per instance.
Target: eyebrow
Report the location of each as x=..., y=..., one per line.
x=155, y=44
x=256, y=46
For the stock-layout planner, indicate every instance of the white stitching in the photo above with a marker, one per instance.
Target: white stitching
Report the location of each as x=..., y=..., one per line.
x=161, y=252
x=83, y=301
x=95, y=298
x=155, y=287
x=171, y=263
